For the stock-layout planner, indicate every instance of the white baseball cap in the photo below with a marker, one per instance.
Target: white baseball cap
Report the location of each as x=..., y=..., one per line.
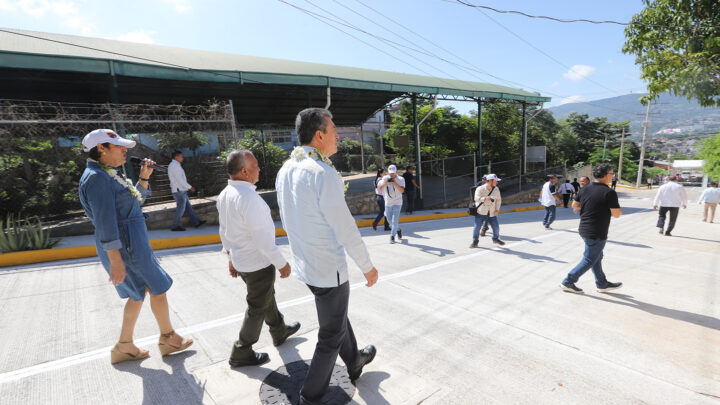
x=492, y=176
x=97, y=136
x=392, y=169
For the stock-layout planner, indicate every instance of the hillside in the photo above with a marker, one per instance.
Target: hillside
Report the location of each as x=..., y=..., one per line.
x=669, y=112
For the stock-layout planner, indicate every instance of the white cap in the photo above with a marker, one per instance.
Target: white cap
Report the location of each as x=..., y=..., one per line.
x=392, y=169
x=492, y=176
x=97, y=136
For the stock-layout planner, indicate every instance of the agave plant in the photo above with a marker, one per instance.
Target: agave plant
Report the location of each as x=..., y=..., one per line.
x=38, y=237
x=13, y=235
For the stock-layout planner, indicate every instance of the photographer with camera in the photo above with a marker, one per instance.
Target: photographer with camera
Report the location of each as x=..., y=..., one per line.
x=393, y=187
x=488, y=202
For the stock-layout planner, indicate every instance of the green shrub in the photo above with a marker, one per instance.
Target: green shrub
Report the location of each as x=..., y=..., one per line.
x=18, y=234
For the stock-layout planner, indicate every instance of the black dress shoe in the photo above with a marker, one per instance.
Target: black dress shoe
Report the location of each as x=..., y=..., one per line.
x=199, y=224
x=255, y=360
x=374, y=227
x=290, y=330
x=365, y=356
x=177, y=229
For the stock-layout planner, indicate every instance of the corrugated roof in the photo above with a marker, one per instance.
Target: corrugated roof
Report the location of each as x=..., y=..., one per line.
x=46, y=51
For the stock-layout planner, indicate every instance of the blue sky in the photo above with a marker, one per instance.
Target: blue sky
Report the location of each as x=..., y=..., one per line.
x=578, y=61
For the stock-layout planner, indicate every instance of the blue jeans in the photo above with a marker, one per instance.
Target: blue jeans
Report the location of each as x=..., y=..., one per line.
x=493, y=221
x=392, y=213
x=183, y=205
x=549, y=215
x=380, y=200
x=592, y=258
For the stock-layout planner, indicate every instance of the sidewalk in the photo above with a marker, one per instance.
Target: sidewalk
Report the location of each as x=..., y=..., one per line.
x=76, y=247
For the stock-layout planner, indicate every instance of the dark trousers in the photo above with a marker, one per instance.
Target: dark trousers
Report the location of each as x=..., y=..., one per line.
x=592, y=258
x=410, y=194
x=261, y=306
x=662, y=213
x=335, y=336
x=566, y=199
x=380, y=200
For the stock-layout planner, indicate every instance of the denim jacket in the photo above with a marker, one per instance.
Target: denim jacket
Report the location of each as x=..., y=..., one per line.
x=106, y=202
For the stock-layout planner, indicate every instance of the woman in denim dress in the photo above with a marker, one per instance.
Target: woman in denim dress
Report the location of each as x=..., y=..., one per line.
x=112, y=203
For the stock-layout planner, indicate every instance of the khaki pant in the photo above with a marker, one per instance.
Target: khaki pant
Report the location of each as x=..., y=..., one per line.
x=711, y=208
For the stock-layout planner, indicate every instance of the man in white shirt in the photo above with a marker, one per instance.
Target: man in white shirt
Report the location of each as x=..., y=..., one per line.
x=320, y=229
x=247, y=233
x=548, y=198
x=393, y=187
x=179, y=188
x=670, y=196
x=566, y=189
x=488, y=202
x=711, y=198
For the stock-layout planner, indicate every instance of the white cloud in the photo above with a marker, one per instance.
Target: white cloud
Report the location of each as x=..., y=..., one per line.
x=180, y=6
x=579, y=72
x=573, y=99
x=140, y=36
x=66, y=12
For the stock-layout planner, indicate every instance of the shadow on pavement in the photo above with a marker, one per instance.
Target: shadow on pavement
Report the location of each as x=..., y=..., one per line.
x=368, y=387
x=433, y=250
x=689, y=317
x=700, y=239
x=524, y=255
x=161, y=387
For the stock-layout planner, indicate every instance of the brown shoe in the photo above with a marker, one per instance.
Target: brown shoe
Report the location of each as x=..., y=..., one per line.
x=116, y=356
x=168, y=348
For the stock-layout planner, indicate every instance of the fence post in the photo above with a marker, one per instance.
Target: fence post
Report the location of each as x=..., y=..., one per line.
x=362, y=150
x=474, y=168
x=443, y=177
x=232, y=123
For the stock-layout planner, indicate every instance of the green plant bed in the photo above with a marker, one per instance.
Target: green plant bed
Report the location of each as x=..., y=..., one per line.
x=17, y=234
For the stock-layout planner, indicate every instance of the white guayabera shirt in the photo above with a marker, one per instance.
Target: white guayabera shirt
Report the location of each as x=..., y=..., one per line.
x=319, y=225
x=247, y=230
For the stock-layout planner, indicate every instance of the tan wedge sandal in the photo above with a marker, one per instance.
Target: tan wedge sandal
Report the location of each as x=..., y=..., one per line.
x=167, y=348
x=116, y=356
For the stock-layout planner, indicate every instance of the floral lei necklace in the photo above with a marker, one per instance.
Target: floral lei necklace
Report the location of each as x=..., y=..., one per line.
x=300, y=153
x=124, y=181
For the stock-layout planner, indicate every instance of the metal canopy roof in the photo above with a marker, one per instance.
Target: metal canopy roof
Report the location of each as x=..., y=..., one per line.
x=58, y=67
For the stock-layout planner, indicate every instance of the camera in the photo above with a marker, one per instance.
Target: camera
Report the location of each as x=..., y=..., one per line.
x=492, y=199
x=391, y=180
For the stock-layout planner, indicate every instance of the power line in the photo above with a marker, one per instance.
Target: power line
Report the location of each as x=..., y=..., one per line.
x=473, y=67
x=387, y=41
x=562, y=20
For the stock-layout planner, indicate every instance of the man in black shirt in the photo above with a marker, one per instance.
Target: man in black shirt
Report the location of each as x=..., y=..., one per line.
x=410, y=189
x=597, y=203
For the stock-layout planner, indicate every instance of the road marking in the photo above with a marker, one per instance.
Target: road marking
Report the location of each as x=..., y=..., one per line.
x=148, y=340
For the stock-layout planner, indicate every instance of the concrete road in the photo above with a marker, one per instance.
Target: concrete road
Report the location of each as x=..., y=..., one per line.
x=452, y=325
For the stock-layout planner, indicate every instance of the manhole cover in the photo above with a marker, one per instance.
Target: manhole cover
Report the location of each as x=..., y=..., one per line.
x=282, y=386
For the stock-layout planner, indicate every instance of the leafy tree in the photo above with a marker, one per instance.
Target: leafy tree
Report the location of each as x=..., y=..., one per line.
x=677, y=45
x=710, y=153
x=181, y=140
x=270, y=157
x=591, y=134
x=348, y=155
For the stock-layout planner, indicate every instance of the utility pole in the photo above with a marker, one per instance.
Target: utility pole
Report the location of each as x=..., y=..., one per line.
x=646, y=123
x=622, y=146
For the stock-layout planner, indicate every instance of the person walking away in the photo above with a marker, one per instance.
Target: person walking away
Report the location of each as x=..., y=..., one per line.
x=392, y=187
x=614, y=182
x=548, y=198
x=179, y=188
x=321, y=230
x=711, y=198
x=247, y=233
x=576, y=187
x=380, y=200
x=411, y=188
x=567, y=190
x=112, y=204
x=488, y=201
x=669, y=198
x=597, y=203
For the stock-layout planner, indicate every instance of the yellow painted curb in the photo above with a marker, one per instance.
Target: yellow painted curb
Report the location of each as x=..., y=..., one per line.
x=78, y=252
